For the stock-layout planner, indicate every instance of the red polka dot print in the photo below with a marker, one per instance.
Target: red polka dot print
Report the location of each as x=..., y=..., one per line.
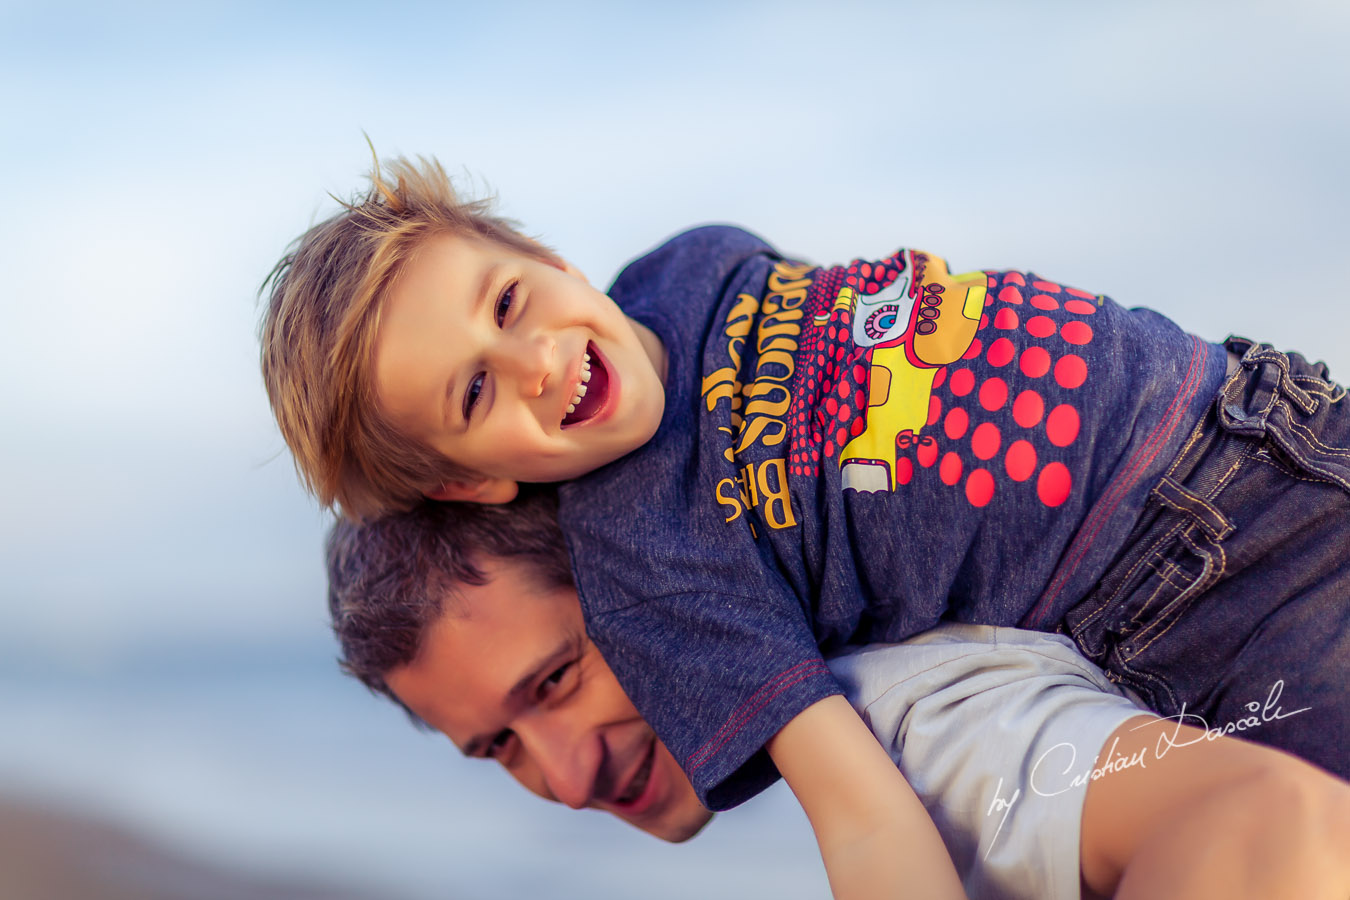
x=934, y=409
x=1048, y=286
x=974, y=350
x=904, y=470
x=1010, y=295
x=963, y=382
x=1081, y=307
x=1040, y=326
x=1035, y=362
x=1015, y=278
x=985, y=440
x=950, y=470
x=1076, y=332
x=1061, y=426
x=1040, y=301
x=927, y=454
x=1070, y=371
x=980, y=487
x=1001, y=352
x=1054, y=484
x=1006, y=319
x=1028, y=409
x=993, y=394
x=940, y=377
x=956, y=423
x=1020, y=461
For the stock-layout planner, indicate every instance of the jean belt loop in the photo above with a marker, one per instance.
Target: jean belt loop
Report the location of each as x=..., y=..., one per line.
x=1177, y=496
x=1306, y=402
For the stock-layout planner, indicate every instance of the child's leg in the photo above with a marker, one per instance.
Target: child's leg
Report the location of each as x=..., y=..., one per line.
x=997, y=731
x=1227, y=819
x=1232, y=599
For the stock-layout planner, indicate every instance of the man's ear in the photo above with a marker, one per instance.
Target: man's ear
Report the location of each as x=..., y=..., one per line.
x=476, y=490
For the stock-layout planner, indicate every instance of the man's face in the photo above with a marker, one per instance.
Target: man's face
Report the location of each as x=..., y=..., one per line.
x=512, y=367
x=514, y=678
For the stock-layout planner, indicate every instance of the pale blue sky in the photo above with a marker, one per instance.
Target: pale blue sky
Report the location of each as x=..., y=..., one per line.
x=1187, y=156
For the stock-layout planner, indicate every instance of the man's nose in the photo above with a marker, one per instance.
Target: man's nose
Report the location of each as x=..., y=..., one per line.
x=569, y=759
x=530, y=359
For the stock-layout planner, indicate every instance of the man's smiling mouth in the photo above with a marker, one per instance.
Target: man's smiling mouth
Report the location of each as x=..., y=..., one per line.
x=591, y=391
x=640, y=779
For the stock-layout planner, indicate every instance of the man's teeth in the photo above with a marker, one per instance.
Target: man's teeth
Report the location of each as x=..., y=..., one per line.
x=639, y=783
x=582, y=385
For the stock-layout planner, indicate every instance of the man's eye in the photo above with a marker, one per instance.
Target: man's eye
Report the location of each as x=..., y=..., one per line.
x=501, y=742
x=555, y=678
x=471, y=394
x=504, y=303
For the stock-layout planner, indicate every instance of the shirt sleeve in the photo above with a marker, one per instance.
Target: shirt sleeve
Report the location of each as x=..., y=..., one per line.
x=716, y=677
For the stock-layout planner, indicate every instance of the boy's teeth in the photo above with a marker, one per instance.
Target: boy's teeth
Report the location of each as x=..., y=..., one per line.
x=581, y=386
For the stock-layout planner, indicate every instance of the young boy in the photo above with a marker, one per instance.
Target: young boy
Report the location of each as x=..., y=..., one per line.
x=827, y=456
x=999, y=730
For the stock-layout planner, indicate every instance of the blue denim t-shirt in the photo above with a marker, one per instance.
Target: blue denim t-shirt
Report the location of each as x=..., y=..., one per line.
x=851, y=455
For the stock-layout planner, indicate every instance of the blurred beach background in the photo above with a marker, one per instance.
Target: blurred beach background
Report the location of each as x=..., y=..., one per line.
x=172, y=723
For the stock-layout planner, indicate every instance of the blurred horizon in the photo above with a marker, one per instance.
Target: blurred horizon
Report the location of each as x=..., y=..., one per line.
x=164, y=586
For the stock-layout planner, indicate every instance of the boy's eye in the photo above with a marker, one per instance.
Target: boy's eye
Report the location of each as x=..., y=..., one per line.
x=504, y=303
x=471, y=394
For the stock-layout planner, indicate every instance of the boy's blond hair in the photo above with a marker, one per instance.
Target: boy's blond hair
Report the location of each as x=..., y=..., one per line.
x=319, y=329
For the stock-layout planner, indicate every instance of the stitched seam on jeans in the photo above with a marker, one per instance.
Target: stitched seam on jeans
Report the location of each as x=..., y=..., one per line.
x=1129, y=477
x=1128, y=580
x=1308, y=436
x=1168, y=571
x=1314, y=385
x=1158, y=685
x=1286, y=472
x=1137, y=619
x=1212, y=509
x=1204, y=583
x=1196, y=434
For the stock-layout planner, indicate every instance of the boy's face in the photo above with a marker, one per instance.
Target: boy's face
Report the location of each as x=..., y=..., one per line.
x=512, y=367
x=510, y=675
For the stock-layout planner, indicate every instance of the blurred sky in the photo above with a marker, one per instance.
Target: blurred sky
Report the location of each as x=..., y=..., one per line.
x=1187, y=156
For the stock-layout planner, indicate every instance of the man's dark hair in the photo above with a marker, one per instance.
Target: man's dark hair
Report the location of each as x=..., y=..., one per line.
x=391, y=578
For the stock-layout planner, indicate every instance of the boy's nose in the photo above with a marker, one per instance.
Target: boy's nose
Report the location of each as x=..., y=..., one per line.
x=531, y=359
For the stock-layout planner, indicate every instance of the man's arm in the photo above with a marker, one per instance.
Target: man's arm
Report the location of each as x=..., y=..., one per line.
x=1222, y=819
x=875, y=837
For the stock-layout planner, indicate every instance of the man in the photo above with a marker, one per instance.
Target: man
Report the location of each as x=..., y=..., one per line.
x=467, y=618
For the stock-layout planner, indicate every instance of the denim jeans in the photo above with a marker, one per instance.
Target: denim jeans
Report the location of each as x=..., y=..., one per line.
x=1231, y=599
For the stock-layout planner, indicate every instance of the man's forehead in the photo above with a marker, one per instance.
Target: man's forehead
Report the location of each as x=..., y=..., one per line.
x=489, y=648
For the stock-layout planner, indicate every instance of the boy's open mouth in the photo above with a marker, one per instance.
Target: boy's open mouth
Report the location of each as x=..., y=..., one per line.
x=591, y=390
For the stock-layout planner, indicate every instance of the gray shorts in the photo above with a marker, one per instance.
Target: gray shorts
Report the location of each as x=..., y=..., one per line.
x=998, y=731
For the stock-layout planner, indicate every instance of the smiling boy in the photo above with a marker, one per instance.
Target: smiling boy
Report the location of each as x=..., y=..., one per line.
x=546, y=379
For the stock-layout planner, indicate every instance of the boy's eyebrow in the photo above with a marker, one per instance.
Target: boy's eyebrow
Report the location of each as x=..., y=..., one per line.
x=475, y=309
x=473, y=747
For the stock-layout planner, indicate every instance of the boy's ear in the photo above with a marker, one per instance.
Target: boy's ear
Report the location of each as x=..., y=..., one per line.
x=476, y=490
x=572, y=270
